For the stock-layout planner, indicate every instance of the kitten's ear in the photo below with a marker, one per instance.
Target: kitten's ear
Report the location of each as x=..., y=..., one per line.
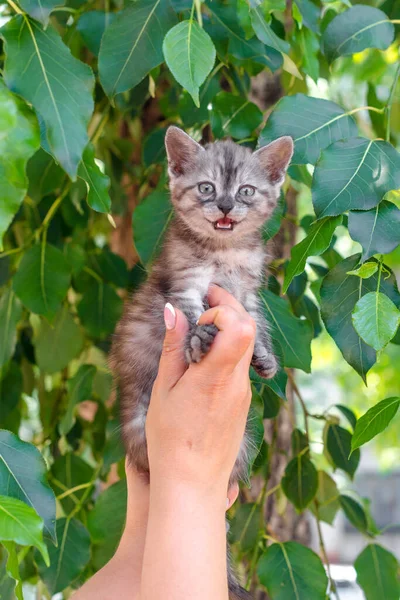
x=275, y=158
x=181, y=151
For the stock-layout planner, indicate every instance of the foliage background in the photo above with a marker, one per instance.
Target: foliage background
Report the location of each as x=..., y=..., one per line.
x=87, y=91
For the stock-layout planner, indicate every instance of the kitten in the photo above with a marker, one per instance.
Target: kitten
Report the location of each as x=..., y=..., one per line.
x=222, y=194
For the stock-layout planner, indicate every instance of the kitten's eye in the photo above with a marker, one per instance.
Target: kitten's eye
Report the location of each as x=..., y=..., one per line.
x=247, y=190
x=206, y=188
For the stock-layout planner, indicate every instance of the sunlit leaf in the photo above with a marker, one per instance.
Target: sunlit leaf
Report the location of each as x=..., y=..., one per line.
x=374, y=421
x=377, y=230
x=21, y=524
x=376, y=319
x=377, y=573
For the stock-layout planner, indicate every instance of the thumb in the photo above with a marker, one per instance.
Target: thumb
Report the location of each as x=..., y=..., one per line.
x=172, y=363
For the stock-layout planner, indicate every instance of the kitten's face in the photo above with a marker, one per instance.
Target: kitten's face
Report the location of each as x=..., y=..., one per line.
x=224, y=190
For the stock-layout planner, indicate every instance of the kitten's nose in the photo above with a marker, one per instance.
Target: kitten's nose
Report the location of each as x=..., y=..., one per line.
x=225, y=205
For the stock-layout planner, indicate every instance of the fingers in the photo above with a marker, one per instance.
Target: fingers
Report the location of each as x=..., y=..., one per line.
x=172, y=363
x=217, y=295
x=234, y=340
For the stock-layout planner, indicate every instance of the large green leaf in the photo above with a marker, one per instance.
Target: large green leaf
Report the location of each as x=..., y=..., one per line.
x=40, y=9
x=265, y=33
x=356, y=29
x=374, y=421
x=10, y=314
x=20, y=143
x=245, y=526
x=91, y=26
x=34, y=60
x=106, y=522
x=354, y=512
x=310, y=14
x=225, y=17
x=23, y=476
x=44, y=174
x=21, y=524
x=100, y=309
x=42, y=279
x=13, y=569
x=338, y=446
x=132, y=45
x=339, y=294
x=300, y=481
x=327, y=498
x=57, y=343
x=79, y=389
x=376, y=319
x=294, y=335
x=377, y=230
x=291, y=571
x=354, y=174
x=68, y=559
x=234, y=116
x=97, y=182
x=377, y=573
x=313, y=124
x=190, y=56
x=315, y=243
x=150, y=221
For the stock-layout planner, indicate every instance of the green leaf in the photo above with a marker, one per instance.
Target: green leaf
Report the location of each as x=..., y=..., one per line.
x=294, y=335
x=111, y=267
x=265, y=33
x=281, y=570
x=45, y=176
x=190, y=55
x=106, y=522
x=365, y=271
x=97, y=182
x=300, y=481
x=34, y=60
x=327, y=498
x=10, y=390
x=241, y=49
x=234, y=116
x=374, y=421
x=339, y=294
x=40, y=9
x=354, y=512
x=310, y=14
x=309, y=47
x=377, y=573
x=348, y=413
x=150, y=221
x=57, y=343
x=354, y=174
x=20, y=143
x=273, y=224
x=13, y=568
x=70, y=471
x=356, y=29
x=299, y=442
x=91, y=26
x=245, y=526
x=68, y=559
x=314, y=244
x=100, y=309
x=313, y=124
x=23, y=476
x=10, y=314
x=338, y=446
x=79, y=389
x=42, y=279
x=132, y=45
x=154, y=147
x=377, y=230
x=376, y=319
x=21, y=524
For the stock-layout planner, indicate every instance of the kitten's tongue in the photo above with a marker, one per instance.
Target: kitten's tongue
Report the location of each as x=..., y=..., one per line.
x=225, y=223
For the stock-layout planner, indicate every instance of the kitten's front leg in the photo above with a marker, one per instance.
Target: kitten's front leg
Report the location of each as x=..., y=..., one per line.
x=263, y=361
x=200, y=337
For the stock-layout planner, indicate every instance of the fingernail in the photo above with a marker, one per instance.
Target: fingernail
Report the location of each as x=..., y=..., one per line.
x=227, y=503
x=169, y=316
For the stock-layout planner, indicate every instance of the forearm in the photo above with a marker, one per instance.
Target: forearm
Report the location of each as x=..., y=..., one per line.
x=185, y=551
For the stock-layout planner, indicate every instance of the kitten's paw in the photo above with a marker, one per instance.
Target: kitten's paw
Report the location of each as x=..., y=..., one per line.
x=198, y=342
x=266, y=365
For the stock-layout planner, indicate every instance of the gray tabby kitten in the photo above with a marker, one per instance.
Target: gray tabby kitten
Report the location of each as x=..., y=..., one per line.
x=222, y=194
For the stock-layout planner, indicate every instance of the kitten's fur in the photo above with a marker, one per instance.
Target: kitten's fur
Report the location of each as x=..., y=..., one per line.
x=194, y=255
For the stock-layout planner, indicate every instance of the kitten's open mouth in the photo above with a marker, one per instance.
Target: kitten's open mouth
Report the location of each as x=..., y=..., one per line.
x=224, y=223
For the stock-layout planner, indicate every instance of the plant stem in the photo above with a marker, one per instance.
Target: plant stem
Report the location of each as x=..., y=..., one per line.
x=388, y=107
x=299, y=396
x=15, y=7
x=323, y=552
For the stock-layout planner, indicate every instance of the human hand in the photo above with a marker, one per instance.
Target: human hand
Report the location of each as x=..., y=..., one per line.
x=197, y=415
